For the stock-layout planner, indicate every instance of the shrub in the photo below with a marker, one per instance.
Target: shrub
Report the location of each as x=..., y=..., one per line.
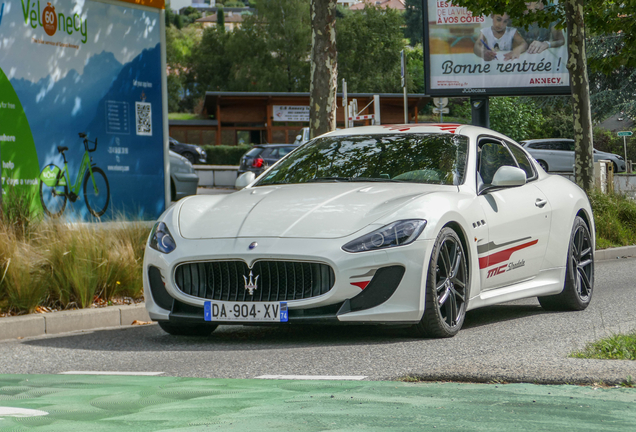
x=225, y=154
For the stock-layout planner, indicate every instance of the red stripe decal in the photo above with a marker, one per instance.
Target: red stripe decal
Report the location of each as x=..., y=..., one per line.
x=361, y=285
x=499, y=257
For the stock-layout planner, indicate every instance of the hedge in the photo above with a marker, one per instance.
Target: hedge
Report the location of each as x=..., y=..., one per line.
x=225, y=154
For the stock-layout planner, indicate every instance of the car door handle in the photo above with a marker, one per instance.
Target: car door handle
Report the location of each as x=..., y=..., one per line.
x=540, y=202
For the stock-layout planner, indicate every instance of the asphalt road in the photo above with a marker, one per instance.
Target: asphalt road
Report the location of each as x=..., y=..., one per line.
x=513, y=342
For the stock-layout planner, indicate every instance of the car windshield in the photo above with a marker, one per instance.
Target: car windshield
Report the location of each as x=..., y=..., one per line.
x=416, y=158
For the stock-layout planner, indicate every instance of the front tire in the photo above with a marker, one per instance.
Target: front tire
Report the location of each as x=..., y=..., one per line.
x=187, y=329
x=543, y=165
x=447, y=287
x=579, y=273
x=96, y=199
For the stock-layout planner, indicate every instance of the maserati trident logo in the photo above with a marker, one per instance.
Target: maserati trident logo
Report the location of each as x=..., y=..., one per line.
x=252, y=284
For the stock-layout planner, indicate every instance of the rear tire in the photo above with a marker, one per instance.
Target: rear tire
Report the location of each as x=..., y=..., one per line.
x=97, y=202
x=447, y=287
x=187, y=329
x=579, y=273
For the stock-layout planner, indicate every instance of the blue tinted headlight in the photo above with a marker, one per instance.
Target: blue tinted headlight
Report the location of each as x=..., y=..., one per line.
x=161, y=239
x=398, y=233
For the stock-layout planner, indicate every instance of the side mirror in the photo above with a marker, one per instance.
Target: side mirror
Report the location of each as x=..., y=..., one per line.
x=299, y=137
x=508, y=176
x=244, y=179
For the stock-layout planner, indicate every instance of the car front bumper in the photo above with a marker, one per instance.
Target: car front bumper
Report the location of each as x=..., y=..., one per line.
x=344, y=303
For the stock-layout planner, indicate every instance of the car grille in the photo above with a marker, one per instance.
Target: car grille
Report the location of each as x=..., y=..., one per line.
x=277, y=280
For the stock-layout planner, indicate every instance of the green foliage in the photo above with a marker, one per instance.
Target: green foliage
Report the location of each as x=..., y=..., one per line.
x=369, y=44
x=614, y=90
x=268, y=53
x=614, y=218
x=415, y=69
x=225, y=154
x=220, y=19
x=510, y=116
x=64, y=266
x=413, y=20
x=616, y=347
x=179, y=47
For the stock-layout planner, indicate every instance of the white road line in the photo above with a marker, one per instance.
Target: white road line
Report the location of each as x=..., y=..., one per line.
x=313, y=377
x=110, y=373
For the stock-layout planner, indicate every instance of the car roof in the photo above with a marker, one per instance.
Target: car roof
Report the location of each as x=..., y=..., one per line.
x=546, y=140
x=426, y=128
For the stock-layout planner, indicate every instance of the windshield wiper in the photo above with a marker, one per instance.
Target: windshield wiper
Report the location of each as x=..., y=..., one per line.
x=327, y=179
x=373, y=179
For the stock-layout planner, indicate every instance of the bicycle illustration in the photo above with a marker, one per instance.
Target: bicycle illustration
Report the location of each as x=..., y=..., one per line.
x=55, y=183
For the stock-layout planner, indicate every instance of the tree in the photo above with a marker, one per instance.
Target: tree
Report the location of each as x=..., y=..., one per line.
x=324, y=67
x=413, y=21
x=179, y=47
x=369, y=45
x=220, y=19
x=286, y=24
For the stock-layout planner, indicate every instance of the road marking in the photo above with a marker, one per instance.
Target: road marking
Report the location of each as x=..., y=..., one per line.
x=313, y=377
x=20, y=412
x=110, y=373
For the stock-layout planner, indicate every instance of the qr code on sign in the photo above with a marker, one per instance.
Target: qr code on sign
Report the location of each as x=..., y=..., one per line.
x=143, y=113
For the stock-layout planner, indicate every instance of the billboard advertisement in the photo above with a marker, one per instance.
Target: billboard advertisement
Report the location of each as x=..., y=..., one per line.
x=81, y=106
x=469, y=55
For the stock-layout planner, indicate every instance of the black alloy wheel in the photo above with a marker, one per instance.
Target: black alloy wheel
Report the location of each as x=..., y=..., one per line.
x=579, y=273
x=446, y=288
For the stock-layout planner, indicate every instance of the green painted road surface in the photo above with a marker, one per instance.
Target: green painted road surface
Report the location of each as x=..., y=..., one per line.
x=133, y=403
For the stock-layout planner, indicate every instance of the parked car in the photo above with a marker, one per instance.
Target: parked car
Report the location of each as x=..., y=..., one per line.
x=262, y=156
x=191, y=152
x=556, y=154
x=183, y=178
x=302, y=137
x=411, y=226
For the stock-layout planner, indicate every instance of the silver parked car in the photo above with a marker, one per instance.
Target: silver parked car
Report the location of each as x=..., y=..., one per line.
x=557, y=154
x=183, y=179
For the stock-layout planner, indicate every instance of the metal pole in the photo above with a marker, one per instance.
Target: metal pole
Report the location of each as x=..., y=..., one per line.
x=625, y=148
x=345, y=103
x=403, y=73
x=479, y=109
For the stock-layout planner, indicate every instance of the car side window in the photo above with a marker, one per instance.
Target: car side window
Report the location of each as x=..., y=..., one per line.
x=522, y=160
x=492, y=156
x=284, y=150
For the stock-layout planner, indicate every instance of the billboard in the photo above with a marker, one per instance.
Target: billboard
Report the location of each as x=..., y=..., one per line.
x=82, y=106
x=469, y=55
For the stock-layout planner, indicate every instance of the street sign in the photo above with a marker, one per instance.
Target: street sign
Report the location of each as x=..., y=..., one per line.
x=625, y=133
x=440, y=102
x=441, y=110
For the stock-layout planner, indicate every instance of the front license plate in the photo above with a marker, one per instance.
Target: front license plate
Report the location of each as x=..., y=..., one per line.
x=247, y=312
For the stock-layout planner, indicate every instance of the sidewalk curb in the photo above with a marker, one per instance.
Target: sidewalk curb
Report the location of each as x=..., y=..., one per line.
x=614, y=253
x=117, y=316
x=68, y=321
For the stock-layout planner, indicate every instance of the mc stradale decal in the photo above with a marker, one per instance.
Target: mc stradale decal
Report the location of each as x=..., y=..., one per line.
x=505, y=268
x=503, y=256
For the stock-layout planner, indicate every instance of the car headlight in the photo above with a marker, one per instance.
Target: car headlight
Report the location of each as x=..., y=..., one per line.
x=161, y=239
x=398, y=233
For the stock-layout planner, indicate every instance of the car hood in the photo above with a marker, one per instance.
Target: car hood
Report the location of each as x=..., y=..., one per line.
x=296, y=211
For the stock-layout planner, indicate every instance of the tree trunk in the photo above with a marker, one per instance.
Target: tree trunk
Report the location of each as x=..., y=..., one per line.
x=324, y=67
x=577, y=65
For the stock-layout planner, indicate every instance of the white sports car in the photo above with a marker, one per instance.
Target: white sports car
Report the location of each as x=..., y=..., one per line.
x=407, y=225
